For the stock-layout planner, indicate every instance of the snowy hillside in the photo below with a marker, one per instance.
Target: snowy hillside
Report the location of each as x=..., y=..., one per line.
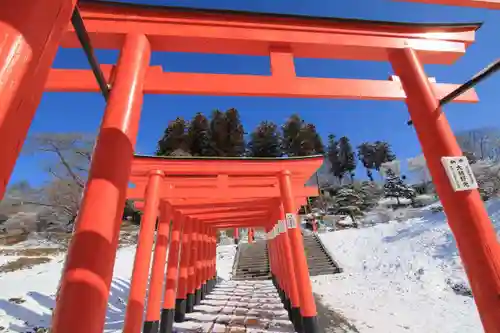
x=401, y=276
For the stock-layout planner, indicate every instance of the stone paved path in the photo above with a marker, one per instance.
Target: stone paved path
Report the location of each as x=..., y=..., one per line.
x=239, y=307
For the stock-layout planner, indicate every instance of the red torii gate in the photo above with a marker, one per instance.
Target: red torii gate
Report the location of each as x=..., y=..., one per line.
x=216, y=193
x=31, y=31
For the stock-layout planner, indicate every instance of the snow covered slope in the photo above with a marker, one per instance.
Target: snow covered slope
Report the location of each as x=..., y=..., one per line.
x=27, y=296
x=400, y=277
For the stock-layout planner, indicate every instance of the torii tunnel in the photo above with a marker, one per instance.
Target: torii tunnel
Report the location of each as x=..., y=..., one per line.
x=32, y=31
x=224, y=193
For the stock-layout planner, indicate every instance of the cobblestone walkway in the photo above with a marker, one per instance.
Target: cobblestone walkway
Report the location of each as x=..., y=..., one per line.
x=238, y=307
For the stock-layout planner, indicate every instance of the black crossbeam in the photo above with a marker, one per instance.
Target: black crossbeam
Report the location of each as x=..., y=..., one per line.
x=476, y=79
x=83, y=37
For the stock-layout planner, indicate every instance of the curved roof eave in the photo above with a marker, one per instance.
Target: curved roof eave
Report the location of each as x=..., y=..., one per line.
x=325, y=19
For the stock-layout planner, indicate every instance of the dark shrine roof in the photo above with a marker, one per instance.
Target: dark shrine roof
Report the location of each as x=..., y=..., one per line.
x=304, y=18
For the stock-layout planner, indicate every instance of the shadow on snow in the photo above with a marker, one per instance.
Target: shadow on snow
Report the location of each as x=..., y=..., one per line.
x=33, y=320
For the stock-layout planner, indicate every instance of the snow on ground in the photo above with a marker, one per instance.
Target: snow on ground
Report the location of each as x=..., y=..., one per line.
x=27, y=296
x=398, y=277
x=225, y=259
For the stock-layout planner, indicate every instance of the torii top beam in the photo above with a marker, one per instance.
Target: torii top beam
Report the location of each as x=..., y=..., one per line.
x=488, y=4
x=181, y=29
x=212, y=182
x=245, y=167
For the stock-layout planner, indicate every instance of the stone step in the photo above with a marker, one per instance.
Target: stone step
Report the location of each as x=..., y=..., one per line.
x=251, y=271
x=320, y=261
x=238, y=307
x=252, y=268
x=314, y=253
x=314, y=272
x=252, y=276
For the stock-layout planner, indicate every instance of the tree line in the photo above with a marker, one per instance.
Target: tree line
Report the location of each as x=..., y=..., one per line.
x=223, y=135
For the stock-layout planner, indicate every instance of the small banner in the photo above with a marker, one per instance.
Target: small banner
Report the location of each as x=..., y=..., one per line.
x=459, y=173
x=282, y=224
x=291, y=221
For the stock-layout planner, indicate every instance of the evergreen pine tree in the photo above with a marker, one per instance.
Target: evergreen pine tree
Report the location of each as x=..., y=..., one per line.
x=291, y=135
x=199, y=136
x=347, y=202
x=227, y=133
x=395, y=187
x=174, y=138
x=334, y=158
x=311, y=143
x=265, y=141
x=366, y=154
x=347, y=157
x=370, y=193
x=236, y=134
x=300, y=138
x=383, y=154
x=218, y=132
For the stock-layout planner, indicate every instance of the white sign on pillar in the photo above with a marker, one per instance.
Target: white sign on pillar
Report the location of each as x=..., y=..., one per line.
x=282, y=226
x=459, y=173
x=291, y=221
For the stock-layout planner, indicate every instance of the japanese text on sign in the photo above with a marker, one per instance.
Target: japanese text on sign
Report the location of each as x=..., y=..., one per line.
x=291, y=221
x=282, y=226
x=459, y=173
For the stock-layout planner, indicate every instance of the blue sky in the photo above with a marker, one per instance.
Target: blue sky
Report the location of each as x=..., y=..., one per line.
x=82, y=112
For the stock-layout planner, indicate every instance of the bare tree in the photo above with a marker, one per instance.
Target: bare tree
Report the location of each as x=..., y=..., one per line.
x=484, y=143
x=67, y=157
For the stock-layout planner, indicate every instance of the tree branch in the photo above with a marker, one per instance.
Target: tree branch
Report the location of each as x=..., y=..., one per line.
x=66, y=165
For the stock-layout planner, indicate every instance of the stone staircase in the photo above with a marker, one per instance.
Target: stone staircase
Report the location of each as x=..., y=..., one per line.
x=239, y=307
x=252, y=262
x=318, y=259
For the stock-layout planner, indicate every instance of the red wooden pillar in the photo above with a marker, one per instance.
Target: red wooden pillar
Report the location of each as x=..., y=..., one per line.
x=306, y=297
x=207, y=261
x=140, y=272
x=213, y=258
x=289, y=267
x=82, y=302
x=30, y=32
x=200, y=261
x=191, y=282
x=282, y=277
x=474, y=233
x=250, y=235
x=152, y=323
x=272, y=258
x=203, y=262
x=182, y=286
x=167, y=314
x=236, y=236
